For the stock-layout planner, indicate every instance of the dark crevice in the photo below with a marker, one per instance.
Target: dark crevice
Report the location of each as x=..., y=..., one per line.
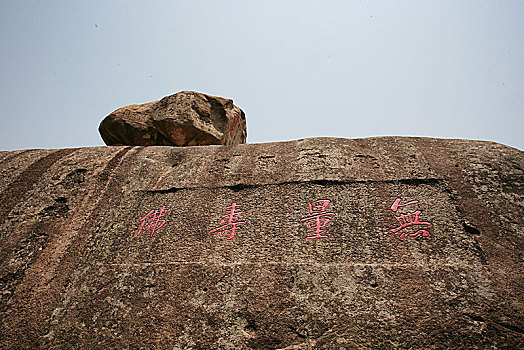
x=61, y=200
x=300, y=335
x=510, y=327
x=241, y=186
x=416, y=182
x=57, y=209
x=164, y=191
x=476, y=318
x=237, y=188
x=251, y=325
x=469, y=228
x=325, y=182
x=480, y=253
x=77, y=171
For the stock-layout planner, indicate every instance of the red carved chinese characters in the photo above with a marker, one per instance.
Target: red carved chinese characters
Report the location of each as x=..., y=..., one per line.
x=408, y=219
x=153, y=221
x=229, y=223
x=234, y=124
x=317, y=222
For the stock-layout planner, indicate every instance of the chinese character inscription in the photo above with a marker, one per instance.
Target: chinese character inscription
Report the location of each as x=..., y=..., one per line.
x=408, y=219
x=229, y=222
x=319, y=218
x=152, y=221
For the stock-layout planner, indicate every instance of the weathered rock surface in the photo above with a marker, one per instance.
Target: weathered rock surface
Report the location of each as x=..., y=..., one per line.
x=75, y=274
x=186, y=118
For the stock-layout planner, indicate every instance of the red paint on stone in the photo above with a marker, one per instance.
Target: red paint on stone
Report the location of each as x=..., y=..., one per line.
x=153, y=221
x=408, y=219
x=234, y=124
x=229, y=220
x=317, y=222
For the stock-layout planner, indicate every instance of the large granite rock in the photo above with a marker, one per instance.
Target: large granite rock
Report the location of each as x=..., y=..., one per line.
x=186, y=118
x=76, y=273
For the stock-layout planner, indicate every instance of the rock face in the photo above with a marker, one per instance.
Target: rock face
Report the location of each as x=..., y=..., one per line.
x=187, y=118
x=206, y=247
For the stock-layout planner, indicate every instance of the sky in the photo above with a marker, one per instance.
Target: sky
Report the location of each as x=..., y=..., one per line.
x=298, y=69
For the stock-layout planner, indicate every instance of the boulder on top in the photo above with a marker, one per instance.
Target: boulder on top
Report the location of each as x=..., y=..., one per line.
x=186, y=118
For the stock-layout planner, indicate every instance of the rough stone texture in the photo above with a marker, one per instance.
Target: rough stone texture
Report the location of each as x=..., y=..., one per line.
x=74, y=273
x=186, y=118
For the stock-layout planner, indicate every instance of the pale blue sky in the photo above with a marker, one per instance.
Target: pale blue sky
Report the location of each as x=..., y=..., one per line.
x=450, y=69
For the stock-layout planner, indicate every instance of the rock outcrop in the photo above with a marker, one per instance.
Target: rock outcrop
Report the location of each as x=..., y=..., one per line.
x=206, y=247
x=186, y=118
